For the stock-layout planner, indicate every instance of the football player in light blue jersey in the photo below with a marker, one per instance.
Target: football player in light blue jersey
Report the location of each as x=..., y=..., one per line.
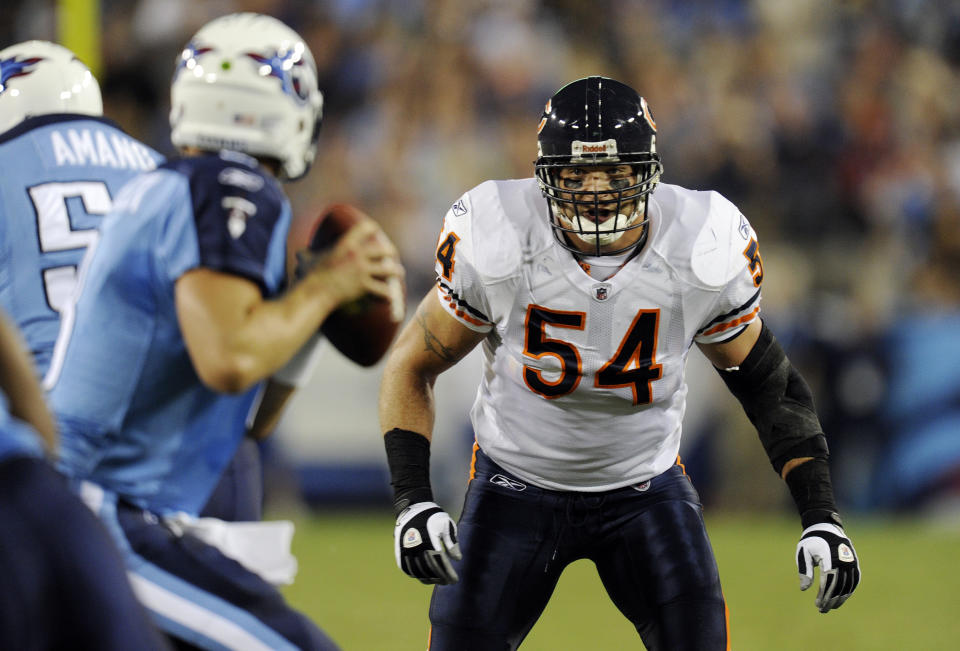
x=183, y=311
x=64, y=583
x=63, y=164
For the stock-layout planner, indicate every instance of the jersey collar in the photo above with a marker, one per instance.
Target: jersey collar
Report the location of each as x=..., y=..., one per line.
x=50, y=118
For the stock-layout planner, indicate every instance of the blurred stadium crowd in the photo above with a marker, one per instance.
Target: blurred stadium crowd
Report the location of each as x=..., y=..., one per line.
x=834, y=126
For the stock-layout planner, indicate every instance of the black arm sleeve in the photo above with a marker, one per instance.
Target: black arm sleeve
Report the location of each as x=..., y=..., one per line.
x=779, y=403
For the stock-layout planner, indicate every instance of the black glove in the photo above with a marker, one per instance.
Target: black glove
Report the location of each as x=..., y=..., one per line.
x=827, y=545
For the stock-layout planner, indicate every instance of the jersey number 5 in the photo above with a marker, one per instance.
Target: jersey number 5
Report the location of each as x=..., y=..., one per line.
x=55, y=232
x=633, y=365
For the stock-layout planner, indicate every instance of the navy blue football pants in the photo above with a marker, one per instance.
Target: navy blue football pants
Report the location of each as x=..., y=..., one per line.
x=64, y=585
x=201, y=597
x=648, y=542
x=238, y=496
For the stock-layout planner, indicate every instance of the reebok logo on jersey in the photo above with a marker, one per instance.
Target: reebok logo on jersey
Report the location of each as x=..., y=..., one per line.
x=506, y=482
x=411, y=538
x=239, y=178
x=459, y=209
x=744, y=228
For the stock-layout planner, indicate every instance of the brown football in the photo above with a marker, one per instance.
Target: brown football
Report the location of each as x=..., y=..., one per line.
x=362, y=329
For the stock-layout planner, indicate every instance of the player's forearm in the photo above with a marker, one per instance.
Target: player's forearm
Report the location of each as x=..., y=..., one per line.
x=406, y=400
x=273, y=331
x=19, y=382
x=406, y=419
x=427, y=346
x=780, y=405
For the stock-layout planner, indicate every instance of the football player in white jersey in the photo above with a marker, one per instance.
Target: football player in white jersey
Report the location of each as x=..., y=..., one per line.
x=587, y=286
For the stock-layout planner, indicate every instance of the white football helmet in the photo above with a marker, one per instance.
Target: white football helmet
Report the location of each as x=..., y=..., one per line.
x=39, y=77
x=247, y=82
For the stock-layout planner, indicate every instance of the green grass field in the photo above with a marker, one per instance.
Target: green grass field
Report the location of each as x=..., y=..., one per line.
x=348, y=583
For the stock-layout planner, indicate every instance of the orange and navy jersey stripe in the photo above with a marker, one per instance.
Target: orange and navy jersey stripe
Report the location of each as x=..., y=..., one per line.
x=722, y=327
x=728, y=325
x=473, y=461
x=471, y=317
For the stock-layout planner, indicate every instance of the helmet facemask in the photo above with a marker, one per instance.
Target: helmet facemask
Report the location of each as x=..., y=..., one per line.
x=598, y=217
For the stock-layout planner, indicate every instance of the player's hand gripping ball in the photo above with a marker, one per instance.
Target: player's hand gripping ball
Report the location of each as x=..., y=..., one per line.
x=363, y=329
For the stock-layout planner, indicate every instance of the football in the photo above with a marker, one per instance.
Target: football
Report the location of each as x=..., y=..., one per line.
x=363, y=329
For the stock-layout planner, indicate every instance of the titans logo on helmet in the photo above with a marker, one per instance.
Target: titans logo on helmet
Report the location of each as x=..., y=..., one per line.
x=10, y=68
x=189, y=56
x=281, y=66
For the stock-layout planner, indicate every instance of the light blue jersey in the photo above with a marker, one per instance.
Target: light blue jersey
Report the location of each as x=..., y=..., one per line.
x=60, y=173
x=135, y=417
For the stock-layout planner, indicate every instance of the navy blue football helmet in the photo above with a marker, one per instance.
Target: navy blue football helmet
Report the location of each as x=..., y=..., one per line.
x=589, y=123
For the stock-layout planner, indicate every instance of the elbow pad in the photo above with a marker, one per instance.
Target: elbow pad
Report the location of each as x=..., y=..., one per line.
x=778, y=402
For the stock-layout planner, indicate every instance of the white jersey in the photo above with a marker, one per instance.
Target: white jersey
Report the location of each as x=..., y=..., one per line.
x=583, y=379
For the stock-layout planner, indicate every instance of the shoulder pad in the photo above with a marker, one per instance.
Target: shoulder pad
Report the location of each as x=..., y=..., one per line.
x=718, y=253
x=230, y=170
x=489, y=222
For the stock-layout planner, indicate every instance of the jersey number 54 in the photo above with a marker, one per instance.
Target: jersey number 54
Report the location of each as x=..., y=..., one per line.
x=633, y=365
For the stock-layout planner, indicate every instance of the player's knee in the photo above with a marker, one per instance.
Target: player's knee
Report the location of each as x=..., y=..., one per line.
x=698, y=624
x=454, y=638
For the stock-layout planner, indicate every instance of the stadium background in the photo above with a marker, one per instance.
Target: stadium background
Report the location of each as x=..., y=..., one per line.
x=834, y=126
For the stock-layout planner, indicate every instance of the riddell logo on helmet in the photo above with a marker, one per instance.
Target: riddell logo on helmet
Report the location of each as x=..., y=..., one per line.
x=605, y=148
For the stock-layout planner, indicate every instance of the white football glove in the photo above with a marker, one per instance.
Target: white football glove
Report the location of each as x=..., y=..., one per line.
x=424, y=541
x=827, y=545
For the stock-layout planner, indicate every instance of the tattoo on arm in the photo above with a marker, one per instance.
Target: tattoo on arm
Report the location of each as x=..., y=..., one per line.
x=434, y=345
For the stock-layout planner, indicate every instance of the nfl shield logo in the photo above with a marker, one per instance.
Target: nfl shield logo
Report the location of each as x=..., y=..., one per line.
x=601, y=292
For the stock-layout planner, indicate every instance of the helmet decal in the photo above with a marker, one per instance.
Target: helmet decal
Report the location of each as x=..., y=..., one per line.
x=282, y=66
x=647, y=115
x=189, y=56
x=546, y=112
x=10, y=68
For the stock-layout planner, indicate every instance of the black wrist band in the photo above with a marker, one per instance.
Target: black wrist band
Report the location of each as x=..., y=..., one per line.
x=408, y=456
x=812, y=492
x=816, y=516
